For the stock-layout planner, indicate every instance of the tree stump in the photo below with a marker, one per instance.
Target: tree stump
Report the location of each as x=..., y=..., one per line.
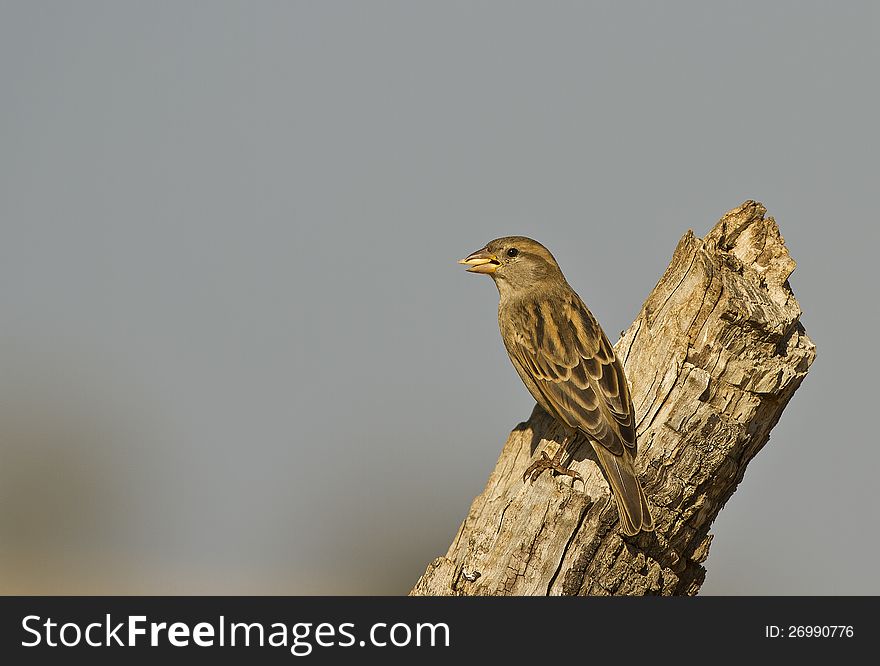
x=713, y=357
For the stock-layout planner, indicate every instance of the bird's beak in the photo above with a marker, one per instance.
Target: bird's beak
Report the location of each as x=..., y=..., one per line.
x=481, y=261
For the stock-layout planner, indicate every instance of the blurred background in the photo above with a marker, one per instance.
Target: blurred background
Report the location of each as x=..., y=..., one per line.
x=236, y=352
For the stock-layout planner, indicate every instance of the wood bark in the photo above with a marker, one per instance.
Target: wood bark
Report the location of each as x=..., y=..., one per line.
x=713, y=358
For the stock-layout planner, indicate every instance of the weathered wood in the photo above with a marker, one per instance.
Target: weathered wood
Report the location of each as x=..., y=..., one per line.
x=714, y=356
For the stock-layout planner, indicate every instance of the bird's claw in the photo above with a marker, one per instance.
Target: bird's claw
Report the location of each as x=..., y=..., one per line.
x=544, y=463
x=536, y=468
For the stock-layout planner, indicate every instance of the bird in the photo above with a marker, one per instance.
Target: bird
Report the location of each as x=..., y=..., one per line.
x=568, y=365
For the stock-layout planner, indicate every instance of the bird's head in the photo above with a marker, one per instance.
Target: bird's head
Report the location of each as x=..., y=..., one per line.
x=514, y=262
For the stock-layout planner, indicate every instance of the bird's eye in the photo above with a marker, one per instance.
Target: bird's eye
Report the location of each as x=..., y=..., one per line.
x=512, y=252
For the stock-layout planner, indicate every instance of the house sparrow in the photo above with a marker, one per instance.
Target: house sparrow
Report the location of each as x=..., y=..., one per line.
x=565, y=360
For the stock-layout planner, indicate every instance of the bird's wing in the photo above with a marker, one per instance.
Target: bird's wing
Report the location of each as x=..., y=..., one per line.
x=565, y=353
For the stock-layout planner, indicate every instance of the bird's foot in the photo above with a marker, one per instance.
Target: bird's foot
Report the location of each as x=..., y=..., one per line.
x=555, y=466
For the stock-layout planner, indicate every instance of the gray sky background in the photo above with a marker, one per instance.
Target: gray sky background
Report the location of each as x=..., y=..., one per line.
x=235, y=347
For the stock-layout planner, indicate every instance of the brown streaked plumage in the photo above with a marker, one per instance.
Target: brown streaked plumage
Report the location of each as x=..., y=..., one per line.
x=568, y=365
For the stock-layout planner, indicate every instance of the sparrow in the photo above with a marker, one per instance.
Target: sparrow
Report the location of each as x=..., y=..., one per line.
x=568, y=365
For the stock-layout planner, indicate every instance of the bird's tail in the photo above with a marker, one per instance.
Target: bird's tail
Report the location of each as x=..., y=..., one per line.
x=632, y=505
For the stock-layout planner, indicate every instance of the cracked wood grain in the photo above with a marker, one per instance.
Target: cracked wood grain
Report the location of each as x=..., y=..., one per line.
x=713, y=358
